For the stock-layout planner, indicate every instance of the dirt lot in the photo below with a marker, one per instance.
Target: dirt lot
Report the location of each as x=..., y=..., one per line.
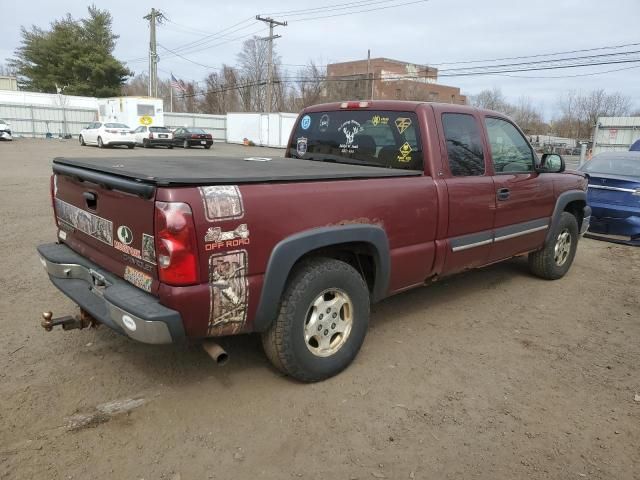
x=492, y=374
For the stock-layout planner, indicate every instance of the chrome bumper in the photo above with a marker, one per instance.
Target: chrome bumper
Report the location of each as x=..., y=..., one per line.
x=112, y=301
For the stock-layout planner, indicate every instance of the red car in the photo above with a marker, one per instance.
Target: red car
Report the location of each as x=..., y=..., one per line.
x=372, y=199
x=188, y=137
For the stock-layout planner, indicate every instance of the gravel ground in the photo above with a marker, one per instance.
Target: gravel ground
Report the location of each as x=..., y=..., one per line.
x=492, y=374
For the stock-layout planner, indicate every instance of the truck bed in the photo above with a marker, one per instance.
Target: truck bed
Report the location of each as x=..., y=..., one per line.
x=190, y=170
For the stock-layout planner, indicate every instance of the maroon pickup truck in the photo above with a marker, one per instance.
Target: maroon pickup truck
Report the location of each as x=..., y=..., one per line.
x=371, y=199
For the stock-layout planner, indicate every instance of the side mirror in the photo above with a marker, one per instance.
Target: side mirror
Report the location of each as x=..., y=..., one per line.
x=550, y=163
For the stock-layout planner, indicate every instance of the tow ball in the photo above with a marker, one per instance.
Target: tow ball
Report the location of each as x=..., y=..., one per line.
x=68, y=322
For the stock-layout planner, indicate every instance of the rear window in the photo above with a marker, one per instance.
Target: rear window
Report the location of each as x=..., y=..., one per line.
x=195, y=130
x=159, y=129
x=115, y=125
x=627, y=166
x=365, y=137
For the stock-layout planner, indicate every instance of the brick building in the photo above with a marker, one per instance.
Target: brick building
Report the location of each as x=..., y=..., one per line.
x=389, y=80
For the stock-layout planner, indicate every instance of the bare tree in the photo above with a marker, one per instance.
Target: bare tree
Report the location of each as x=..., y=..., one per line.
x=221, y=92
x=491, y=100
x=579, y=112
x=310, y=86
x=527, y=115
x=252, y=66
x=7, y=70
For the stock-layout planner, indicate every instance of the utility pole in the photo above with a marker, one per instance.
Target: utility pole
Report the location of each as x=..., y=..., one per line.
x=153, y=17
x=272, y=23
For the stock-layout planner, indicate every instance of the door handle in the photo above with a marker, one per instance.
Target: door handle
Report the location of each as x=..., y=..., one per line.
x=503, y=193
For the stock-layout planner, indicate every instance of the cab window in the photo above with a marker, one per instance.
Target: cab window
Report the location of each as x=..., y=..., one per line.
x=464, y=144
x=509, y=149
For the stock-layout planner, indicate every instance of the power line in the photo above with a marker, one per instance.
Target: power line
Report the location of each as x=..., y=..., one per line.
x=333, y=8
x=305, y=19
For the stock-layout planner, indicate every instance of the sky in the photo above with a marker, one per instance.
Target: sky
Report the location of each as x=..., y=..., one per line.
x=431, y=32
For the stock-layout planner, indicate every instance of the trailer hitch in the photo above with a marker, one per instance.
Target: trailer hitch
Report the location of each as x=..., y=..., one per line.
x=68, y=322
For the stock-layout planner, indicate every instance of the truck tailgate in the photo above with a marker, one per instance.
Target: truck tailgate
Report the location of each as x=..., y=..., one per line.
x=109, y=226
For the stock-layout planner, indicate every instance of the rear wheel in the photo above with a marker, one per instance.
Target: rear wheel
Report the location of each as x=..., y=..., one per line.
x=207, y=147
x=100, y=143
x=322, y=323
x=555, y=259
x=145, y=143
x=185, y=144
x=131, y=145
x=169, y=147
x=81, y=140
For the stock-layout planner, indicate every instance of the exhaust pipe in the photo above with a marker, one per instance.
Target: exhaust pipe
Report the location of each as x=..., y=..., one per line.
x=216, y=352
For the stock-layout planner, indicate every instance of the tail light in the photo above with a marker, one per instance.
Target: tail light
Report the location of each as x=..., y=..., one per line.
x=52, y=190
x=209, y=136
x=151, y=136
x=176, y=247
x=193, y=135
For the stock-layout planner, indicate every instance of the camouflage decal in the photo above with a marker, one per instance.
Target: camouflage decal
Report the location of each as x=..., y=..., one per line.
x=148, y=248
x=88, y=223
x=229, y=292
x=222, y=202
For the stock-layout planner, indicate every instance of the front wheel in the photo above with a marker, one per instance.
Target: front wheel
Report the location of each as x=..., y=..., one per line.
x=555, y=259
x=322, y=323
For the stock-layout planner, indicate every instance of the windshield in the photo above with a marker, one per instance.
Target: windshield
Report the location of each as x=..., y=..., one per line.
x=363, y=137
x=158, y=129
x=115, y=125
x=624, y=165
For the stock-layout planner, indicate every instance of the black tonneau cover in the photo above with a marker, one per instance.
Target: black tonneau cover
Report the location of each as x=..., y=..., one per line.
x=222, y=170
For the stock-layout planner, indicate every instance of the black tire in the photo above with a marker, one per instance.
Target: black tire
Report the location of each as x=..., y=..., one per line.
x=555, y=259
x=81, y=140
x=145, y=143
x=207, y=147
x=169, y=147
x=284, y=343
x=185, y=144
x=100, y=143
x=131, y=145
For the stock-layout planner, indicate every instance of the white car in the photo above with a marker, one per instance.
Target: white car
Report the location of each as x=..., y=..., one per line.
x=153, y=136
x=5, y=131
x=107, y=135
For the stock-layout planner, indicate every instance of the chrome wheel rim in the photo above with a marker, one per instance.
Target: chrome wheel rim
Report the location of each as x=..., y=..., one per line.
x=328, y=322
x=562, y=248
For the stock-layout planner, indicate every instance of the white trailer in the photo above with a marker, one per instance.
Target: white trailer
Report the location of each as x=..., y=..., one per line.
x=612, y=134
x=132, y=111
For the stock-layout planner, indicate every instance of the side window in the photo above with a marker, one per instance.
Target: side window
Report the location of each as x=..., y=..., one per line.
x=464, y=144
x=509, y=149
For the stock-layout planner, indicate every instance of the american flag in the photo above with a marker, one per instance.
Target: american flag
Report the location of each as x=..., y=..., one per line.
x=178, y=84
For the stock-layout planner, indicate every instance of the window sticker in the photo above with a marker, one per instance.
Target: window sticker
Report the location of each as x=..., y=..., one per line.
x=349, y=128
x=405, y=153
x=402, y=123
x=324, y=123
x=306, y=122
x=301, y=146
x=378, y=120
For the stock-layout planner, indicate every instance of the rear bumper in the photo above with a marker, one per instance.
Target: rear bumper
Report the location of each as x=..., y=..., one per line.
x=196, y=143
x=160, y=141
x=109, y=299
x=111, y=139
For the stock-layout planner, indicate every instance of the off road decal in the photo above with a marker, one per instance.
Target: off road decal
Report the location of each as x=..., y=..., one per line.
x=215, y=238
x=222, y=202
x=229, y=292
x=137, y=278
x=97, y=227
x=405, y=153
x=148, y=248
x=402, y=124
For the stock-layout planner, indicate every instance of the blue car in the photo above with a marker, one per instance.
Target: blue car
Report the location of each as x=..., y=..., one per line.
x=614, y=196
